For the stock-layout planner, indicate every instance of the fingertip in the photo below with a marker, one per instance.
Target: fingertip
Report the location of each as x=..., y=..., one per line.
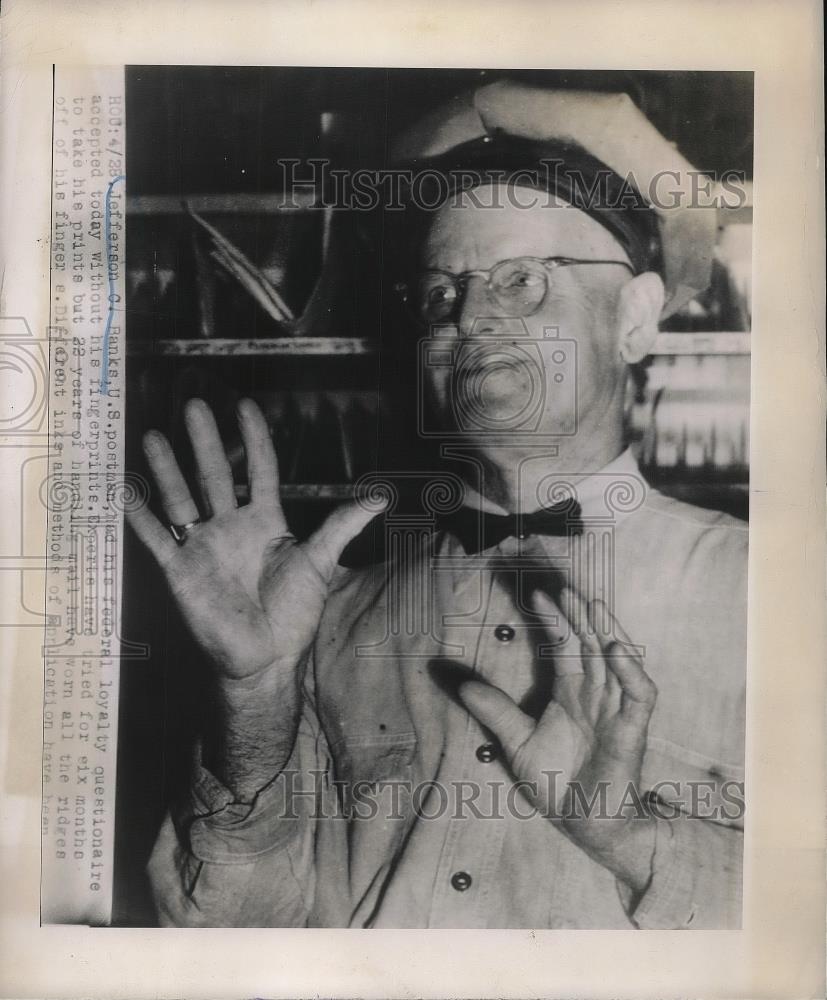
x=245, y=407
x=195, y=404
x=153, y=441
x=371, y=506
x=471, y=691
x=543, y=604
x=599, y=610
x=548, y=608
x=196, y=411
x=380, y=507
x=364, y=515
x=373, y=498
x=342, y=526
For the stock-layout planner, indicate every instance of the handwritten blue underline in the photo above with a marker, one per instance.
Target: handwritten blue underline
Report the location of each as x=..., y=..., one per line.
x=104, y=381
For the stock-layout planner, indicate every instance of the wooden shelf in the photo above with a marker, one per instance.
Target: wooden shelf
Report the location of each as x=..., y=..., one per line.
x=230, y=347
x=306, y=491
x=729, y=477
x=667, y=344
x=221, y=204
x=344, y=491
x=301, y=200
x=723, y=342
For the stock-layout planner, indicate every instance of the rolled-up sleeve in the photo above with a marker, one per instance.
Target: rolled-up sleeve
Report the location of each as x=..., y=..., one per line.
x=696, y=877
x=218, y=862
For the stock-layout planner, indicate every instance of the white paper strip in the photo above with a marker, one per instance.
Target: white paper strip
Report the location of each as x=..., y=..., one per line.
x=85, y=495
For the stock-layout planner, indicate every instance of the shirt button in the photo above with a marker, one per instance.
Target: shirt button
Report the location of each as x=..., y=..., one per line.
x=505, y=633
x=486, y=753
x=461, y=881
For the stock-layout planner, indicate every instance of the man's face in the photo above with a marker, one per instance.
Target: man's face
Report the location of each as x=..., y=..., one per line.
x=493, y=376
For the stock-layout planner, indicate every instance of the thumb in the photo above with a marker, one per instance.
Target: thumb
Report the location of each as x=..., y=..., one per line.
x=492, y=707
x=326, y=544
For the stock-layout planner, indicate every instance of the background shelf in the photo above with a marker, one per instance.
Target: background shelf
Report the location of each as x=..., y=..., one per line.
x=668, y=344
x=276, y=203
x=224, y=347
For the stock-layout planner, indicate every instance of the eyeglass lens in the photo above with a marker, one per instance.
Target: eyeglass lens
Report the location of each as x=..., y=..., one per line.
x=518, y=285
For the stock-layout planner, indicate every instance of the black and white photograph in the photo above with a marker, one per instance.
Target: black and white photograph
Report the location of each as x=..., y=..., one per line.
x=412, y=477
x=438, y=386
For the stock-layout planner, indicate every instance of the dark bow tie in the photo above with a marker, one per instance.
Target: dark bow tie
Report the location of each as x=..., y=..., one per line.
x=478, y=530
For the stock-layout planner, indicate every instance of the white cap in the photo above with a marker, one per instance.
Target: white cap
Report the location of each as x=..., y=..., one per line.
x=609, y=127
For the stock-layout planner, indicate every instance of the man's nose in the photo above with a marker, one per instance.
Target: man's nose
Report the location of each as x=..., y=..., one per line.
x=480, y=315
x=478, y=309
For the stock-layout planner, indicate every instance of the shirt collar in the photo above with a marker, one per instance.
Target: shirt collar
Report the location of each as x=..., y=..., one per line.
x=615, y=490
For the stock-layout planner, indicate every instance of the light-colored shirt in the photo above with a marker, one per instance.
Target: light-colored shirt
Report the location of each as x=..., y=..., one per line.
x=436, y=834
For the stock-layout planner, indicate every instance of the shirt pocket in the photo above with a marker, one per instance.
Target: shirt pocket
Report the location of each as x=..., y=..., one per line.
x=373, y=777
x=685, y=781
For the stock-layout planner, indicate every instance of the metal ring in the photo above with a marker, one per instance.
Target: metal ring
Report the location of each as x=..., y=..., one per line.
x=180, y=532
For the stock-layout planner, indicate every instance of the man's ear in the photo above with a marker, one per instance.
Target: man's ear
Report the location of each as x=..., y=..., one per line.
x=638, y=310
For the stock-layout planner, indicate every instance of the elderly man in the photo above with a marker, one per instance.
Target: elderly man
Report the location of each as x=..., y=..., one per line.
x=527, y=712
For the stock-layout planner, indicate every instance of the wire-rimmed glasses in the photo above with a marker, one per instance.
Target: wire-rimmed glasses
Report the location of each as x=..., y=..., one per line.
x=519, y=285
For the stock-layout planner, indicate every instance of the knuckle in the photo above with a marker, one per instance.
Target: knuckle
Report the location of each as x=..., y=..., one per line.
x=177, y=496
x=213, y=473
x=519, y=756
x=167, y=560
x=502, y=722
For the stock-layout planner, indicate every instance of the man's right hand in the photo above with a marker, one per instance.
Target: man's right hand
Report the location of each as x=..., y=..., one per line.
x=250, y=594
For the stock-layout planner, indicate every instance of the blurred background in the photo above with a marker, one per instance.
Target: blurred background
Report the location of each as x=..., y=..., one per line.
x=235, y=289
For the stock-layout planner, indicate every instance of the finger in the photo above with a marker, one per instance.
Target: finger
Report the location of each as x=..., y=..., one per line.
x=262, y=465
x=566, y=645
x=152, y=533
x=326, y=545
x=583, y=624
x=593, y=692
x=638, y=691
x=606, y=627
x=176, y=499
x=492, y=708
x=215, y=476
x=612, y=695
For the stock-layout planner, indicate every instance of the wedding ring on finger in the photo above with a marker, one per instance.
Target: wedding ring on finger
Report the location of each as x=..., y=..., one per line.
x=180, y=532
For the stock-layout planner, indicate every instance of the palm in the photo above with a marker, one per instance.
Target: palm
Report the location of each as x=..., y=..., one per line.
x=580, y=729
x=594, y=727
x=250, y=594
x=229, y=600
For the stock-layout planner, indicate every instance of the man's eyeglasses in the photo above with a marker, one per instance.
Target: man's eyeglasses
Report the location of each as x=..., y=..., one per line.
x=518, y=285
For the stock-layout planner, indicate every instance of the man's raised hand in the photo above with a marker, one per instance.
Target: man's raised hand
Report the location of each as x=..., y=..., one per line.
x=251, y=595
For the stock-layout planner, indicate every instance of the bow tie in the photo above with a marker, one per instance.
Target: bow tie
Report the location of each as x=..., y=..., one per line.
x=479, y=530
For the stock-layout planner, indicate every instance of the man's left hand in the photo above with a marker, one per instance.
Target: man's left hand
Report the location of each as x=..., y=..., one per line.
x=590, y=739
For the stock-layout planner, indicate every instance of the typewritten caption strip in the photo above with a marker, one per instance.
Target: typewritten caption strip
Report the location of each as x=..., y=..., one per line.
x=85, y=493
